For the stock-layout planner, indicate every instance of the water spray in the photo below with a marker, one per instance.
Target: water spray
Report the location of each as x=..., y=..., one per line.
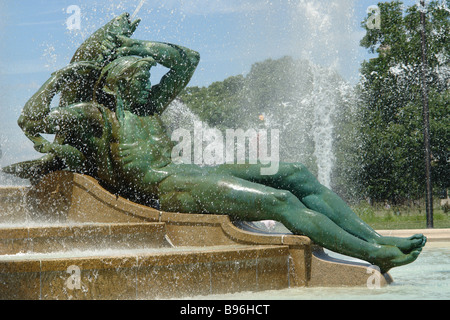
x=137, y=9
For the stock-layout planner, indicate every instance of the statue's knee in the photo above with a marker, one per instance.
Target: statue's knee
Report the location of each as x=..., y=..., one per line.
x=299, y=167
x=194, y=57
x=282, y=198
x=303, y=176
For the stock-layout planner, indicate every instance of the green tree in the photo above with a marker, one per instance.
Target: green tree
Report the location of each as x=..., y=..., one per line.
x=391, y=104
x=238, y=101
x=217, y=104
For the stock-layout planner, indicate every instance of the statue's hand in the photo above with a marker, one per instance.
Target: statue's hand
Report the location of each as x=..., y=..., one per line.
x=43, y=146
x=126, y=46
x=108, y=47
x=124, y=41
x=116, y=45
x=134, y=154
x=71, y=156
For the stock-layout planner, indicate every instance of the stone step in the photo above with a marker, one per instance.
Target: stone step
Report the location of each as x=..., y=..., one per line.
x=144, y=273
x=62, y=238
x=13, y=205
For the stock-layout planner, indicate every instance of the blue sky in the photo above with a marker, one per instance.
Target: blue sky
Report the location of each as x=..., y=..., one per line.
x=230, y=35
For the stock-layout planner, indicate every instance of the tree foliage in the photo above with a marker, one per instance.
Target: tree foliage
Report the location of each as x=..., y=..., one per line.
x=392, y=156
x=238, y=101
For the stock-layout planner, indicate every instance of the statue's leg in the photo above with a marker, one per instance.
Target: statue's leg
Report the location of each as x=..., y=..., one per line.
x=298, y=179
x=245, y=200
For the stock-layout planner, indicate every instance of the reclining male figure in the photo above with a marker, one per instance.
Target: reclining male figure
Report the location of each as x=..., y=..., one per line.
x=126, y=142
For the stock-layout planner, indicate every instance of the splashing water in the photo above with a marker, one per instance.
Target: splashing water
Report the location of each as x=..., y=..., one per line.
x=137, y=9
x=178, y=115
x=325, y=106
x=326, y=42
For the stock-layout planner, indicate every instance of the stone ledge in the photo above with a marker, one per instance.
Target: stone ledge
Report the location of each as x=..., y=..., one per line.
x=174, y=272
x=62, y=238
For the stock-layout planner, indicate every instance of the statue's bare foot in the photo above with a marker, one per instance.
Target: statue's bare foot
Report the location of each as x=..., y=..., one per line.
x=406, y=245
x=389, y=257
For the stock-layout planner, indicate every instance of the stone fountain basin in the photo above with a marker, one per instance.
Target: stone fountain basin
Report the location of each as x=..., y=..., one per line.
x=124, y=250
x=155, y=273
x=82, y=237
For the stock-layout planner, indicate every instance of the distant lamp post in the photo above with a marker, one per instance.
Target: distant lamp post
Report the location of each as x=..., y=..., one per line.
x=426, y=119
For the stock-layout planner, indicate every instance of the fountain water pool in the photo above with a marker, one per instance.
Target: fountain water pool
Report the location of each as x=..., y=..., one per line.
x=428, y=278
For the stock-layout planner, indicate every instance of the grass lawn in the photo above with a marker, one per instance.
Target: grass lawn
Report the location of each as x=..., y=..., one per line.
x=401, y=217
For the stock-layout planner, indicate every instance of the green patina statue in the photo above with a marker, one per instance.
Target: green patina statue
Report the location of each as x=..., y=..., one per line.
x=108, y=125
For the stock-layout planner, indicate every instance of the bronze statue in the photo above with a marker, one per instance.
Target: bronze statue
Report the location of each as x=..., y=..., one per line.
x=108, y=125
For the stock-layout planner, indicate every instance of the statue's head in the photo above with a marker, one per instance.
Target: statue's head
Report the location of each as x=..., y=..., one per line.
x=137, y=86
x=129, y=77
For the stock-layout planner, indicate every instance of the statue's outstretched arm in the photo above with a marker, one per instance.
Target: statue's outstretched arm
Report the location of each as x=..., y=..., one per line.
x=181, y=61
x=34, y=118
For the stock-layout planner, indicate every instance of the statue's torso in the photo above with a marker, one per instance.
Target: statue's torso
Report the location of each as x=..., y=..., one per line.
x=140, y=148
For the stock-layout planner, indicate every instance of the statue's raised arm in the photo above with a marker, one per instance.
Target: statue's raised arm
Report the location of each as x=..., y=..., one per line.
x=75, y=84
x=181, y=61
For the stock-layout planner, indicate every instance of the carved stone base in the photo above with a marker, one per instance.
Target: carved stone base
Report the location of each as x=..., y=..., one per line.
x=117, y=249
